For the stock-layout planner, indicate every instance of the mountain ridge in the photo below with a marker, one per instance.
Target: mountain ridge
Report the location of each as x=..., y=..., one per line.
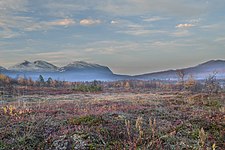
x=84, y=71
x=199, y=71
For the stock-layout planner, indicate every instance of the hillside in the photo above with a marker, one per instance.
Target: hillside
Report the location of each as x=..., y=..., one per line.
x=199, y=72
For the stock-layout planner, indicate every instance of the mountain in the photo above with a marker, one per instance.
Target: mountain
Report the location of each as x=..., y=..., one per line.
x=75, y=71
x=81, y=66
x=199, y=72
x=36, y=66
x=2, y=68
x=210, y=66
x=83, y=71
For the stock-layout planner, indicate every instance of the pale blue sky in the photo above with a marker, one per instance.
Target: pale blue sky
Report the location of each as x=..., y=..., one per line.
x=129, y=36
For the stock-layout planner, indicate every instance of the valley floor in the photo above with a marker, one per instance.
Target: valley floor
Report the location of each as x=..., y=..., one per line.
x=147, y=120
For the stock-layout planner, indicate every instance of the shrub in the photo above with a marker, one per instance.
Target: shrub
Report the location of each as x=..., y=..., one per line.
x=87, y=88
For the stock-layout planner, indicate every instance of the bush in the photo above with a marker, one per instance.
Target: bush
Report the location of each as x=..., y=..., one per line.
x=89, y=120
x=212, y=85
x=87, y=88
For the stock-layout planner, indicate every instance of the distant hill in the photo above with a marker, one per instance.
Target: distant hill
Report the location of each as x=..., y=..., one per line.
x=199, y=72
x=83, y=71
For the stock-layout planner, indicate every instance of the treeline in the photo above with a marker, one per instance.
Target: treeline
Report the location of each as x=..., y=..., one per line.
x=209, y=85
x=29, y=82
x=9, y=86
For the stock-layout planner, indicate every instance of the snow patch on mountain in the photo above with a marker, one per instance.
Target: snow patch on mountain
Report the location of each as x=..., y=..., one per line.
x=2, y=68
x=34, y=66
x=84, y=66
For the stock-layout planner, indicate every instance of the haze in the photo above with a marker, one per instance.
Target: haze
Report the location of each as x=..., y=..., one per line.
x=129, y=36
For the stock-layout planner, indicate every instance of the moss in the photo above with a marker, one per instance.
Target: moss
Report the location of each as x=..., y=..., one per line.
x=104, y=131
x=214, y=130
x=194, y=134
x=214, y=104
x=89, y=120
x=114, y=144
x=92, y=146
x=3, y=146
x=170, y=140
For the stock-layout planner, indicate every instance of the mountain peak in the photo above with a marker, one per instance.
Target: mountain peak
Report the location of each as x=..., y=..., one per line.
x=2, y=68
x=33, y=66
x=44, y=64
x=81, y=64
x=26, y=63
x=84, y=66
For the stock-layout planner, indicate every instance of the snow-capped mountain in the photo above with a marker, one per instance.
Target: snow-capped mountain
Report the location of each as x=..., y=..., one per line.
x=83, y=71
x=76, y=71
x=81, y=66
x=36, y=66
x=2, y=68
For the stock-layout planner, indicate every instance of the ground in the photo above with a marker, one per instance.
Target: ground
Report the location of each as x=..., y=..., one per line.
x=145, y=120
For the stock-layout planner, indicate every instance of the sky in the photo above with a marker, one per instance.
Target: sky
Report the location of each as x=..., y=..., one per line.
x=128, y=36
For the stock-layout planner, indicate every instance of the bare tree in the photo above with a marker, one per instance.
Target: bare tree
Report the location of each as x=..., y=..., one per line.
x=211, y=84
x=181, y=75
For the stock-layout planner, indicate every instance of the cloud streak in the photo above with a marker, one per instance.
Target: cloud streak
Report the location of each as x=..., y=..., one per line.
x=186, y=25
x=137, y=7
x=154, y=19
x=64, y=22
x=88, y=22
x=45, y=25
x=135, y=29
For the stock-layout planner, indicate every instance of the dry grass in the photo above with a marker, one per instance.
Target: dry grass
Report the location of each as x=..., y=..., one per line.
x=113, y=121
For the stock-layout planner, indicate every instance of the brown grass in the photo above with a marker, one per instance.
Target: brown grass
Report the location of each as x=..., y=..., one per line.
x=113, y=121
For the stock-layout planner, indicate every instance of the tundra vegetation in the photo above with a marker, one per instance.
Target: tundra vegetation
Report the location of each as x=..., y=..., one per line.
x=130, y=114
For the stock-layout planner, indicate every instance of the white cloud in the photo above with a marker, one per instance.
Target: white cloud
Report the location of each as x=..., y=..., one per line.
x=135, y=29
x=88, y=22
x=153, y=19
x=64, y=22
x=114, y=22
x=142, y=32
x=45, y=25
x=14, y=21
x=186, y=25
